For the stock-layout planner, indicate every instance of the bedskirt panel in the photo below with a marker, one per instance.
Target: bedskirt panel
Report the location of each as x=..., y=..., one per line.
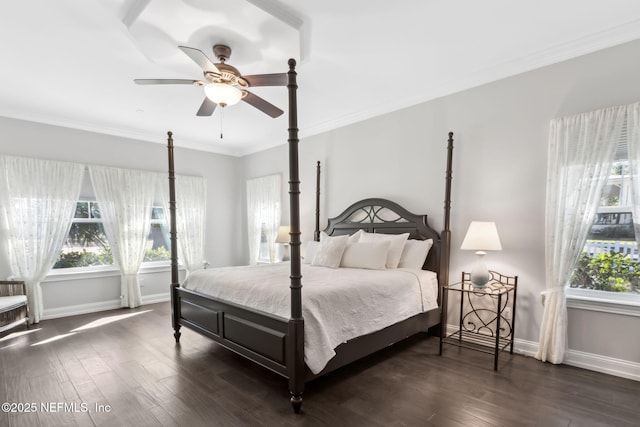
x=257, y=336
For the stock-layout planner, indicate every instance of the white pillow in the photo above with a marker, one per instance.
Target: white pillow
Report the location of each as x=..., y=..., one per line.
x=330, y=251
x=395, y=247
x=355, y=237
x=310, y=251
x=415, y=253
x=370, y=255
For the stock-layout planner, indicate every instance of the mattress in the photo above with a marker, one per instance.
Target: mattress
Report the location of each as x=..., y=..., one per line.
x=337, y=304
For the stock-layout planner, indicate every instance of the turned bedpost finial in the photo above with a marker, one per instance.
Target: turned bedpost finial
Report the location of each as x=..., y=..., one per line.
x=292, y=64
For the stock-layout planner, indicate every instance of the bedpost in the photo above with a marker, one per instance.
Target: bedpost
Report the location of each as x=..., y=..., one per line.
x=175, y=283
x=316, y=233
x=446, y=233
x=295, y=338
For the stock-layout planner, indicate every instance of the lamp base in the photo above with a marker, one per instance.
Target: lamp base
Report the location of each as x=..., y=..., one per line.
x=285, y=253
x=480, y=274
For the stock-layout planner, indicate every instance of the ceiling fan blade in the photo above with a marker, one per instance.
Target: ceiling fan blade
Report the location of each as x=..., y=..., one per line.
x=200, y=58
x=262, y=105
x=168, y=82
x=207, y=108
x=279, y=79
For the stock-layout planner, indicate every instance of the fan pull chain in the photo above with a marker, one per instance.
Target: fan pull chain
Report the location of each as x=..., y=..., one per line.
x=221, y=116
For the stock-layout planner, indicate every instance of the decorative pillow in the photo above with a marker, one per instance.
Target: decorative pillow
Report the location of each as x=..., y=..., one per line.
x=415, y=253
x=396, y=245
x=310, y=250
x=330, y=251
x=355, y=237
x=370, y=255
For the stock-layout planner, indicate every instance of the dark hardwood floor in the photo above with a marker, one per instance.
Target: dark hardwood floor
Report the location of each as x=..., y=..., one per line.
x=122, y=368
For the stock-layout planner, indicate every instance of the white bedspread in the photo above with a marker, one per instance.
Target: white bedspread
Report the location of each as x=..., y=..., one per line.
x=337, y=304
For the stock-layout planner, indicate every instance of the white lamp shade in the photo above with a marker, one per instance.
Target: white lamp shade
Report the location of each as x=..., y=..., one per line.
x=223, y=94
x=283, y=234
x=482, y=236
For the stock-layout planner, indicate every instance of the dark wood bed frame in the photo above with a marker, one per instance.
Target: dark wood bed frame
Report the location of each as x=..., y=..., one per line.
x=278, y=344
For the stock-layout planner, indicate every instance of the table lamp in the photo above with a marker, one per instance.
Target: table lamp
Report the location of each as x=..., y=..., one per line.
x=283, y=237
x=481, y=236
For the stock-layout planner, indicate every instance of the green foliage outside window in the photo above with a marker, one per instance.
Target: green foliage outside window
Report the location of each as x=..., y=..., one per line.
x=84, y=258
x=158, y=254
x=612, y=272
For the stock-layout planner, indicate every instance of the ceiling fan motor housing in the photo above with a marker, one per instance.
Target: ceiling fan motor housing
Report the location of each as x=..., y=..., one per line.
x=222, y=52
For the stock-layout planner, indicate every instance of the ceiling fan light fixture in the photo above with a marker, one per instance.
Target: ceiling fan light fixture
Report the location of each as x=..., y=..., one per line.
x=223, y=94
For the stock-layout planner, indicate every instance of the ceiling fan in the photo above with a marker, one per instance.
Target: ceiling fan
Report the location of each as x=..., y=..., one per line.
x=223, y=84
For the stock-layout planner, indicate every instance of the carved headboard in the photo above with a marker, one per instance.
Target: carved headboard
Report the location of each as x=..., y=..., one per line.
x=384, y=216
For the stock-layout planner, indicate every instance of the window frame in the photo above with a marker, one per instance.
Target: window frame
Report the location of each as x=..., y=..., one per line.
x=89, y=220
x=106, y=270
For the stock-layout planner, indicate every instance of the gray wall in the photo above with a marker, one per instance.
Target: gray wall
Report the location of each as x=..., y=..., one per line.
x=88, y=292
x=500, y=162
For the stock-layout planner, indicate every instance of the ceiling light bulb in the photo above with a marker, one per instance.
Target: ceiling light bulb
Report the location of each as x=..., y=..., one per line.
x=223, y=94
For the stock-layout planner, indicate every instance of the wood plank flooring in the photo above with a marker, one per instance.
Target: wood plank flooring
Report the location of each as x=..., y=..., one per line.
x=122, y=368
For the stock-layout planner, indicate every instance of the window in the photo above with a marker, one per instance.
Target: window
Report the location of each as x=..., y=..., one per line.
x=265, y=252
x=263, y=217
x=609, y=261
x=87, y=245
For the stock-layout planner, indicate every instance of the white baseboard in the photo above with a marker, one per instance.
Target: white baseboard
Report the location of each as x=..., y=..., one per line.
x=604, y=364
x=74, y=310
x=593, y=362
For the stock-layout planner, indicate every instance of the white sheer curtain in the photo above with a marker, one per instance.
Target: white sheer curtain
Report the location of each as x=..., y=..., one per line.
x=581, y=153
x=633, y=144
x=263, y=214
x=191, y=211
x=126, y=198
x=38, y=200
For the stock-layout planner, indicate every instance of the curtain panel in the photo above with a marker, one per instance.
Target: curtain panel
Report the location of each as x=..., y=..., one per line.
x=633, y=145
x=191, y=211
x=126, y=198
x=38, y=201
x=263, y=214
x=581, y=153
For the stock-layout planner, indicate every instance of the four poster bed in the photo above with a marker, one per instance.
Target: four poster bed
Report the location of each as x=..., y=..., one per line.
x=269, y=328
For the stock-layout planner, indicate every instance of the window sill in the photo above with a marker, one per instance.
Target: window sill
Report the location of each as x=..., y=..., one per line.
x=606, y=302
x=66, y=274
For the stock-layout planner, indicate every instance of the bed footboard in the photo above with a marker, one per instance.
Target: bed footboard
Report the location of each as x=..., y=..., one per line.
x=255, y=335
